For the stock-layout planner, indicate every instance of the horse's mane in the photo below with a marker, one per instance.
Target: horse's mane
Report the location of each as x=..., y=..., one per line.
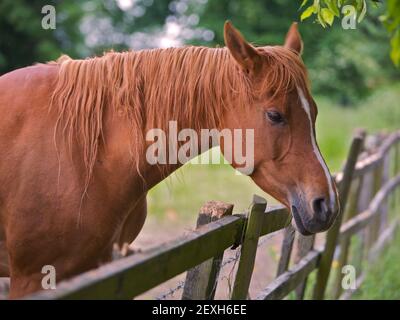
x=192, y=85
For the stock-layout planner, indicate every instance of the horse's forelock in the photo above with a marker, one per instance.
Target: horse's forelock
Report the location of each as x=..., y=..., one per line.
x=285, y=71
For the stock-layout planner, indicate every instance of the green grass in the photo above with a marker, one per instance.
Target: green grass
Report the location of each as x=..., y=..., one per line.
x=186, y=191
x=335, y=125
x=382, y=279
x=180, y=196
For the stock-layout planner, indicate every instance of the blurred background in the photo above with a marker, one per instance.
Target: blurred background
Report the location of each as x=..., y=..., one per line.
x=354, y=82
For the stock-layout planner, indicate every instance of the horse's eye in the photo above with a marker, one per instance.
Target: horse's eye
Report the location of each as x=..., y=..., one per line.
x=275, y=117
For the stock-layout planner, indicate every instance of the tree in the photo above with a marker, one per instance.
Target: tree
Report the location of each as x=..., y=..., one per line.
x=343, y=64
x=326, y=11
x=24, y=41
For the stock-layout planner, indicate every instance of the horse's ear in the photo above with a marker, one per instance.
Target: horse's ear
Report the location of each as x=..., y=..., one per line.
x=243, y=52
x=293, y=39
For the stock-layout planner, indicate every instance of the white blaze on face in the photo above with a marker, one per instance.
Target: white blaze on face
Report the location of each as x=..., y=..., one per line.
x=306, y=107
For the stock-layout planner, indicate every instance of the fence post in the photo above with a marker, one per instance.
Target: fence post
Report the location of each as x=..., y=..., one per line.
x=304, y=245
x=249, y=249
x=352, y=210
x=333, y=233
x=365, y=197
x=396, y=194
x=385, y=178
x=286, y=250
x=373, y=230
x=345, y=243
x=201, y=281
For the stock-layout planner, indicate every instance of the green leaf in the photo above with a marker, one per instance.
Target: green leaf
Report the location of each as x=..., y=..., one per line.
x=328, y=16
x=303, y=3
x=321, y=20
x=333, y=6
x=395, y=43
x=307, y=13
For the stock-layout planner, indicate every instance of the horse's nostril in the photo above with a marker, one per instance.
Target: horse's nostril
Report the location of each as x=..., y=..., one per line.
x=321, y=209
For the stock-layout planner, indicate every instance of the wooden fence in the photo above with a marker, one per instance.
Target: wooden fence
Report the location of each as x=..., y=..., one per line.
x=367, y=191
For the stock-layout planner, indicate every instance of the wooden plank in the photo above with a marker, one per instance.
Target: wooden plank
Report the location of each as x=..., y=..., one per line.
x=135, y=274
x=363, y=219
x=370, y=162
x=274, y=219
x=201, y=281
x=286, y=249
x=249, y=249
x=384, y=239
x=333, y=233
x=289, y=280
x=356, y=224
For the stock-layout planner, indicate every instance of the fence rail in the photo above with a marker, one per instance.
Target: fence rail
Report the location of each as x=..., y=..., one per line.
x=201, y=251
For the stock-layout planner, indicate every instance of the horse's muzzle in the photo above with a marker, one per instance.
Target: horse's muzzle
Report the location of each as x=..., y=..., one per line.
x=317, y=217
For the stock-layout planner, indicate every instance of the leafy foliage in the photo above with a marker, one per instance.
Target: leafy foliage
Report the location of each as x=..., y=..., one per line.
x=23, y=41
x=326, y=11
x=392, y=22
x=344, y=64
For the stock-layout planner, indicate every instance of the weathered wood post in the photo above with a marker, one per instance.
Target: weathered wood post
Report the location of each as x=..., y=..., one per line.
x=373, y=229
x=385, y=178
x=249, y=249
x=286, y=250
x=351, y=211
x=378, y=183
x=304, y=245
x=394, y=170
x=333, y=233
x=397, y=171
x=345, y=243
x=201, y=281
x=365, y=197
x=372, y=232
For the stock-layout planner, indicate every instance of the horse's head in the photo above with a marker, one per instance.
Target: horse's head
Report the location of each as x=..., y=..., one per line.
x=287, y=161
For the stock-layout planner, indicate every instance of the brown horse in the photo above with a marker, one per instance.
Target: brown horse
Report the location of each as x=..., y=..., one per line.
x=73, y=170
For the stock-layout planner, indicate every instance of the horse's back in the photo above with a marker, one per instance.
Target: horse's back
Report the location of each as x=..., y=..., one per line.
x=21, y=87
x=24, y=122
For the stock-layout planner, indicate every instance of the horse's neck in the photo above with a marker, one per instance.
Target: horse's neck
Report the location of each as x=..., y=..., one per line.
x=195, y=105
x=155, y=173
